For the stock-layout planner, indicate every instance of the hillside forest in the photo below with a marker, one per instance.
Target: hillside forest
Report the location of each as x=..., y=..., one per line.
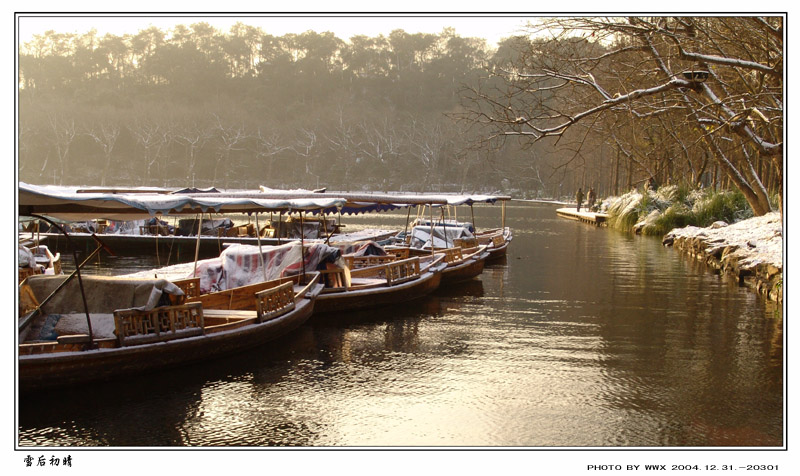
x=611, y=103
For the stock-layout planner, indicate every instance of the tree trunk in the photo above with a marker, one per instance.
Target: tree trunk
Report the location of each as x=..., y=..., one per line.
x=630, y=174
x=756, y=196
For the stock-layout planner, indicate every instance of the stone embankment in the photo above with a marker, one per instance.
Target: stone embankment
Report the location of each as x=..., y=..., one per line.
x=751, y=250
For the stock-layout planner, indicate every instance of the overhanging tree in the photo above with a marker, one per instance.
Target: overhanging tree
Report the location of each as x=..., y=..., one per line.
x=713, y=84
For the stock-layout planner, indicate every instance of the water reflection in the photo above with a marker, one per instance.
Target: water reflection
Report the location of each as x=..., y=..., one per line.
x=580, y=337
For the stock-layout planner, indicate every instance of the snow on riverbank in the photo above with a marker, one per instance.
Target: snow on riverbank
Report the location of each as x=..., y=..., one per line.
x=758, y=239
x=751, y=250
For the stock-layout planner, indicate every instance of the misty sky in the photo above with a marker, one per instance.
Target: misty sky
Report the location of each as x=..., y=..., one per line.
x=490, y=27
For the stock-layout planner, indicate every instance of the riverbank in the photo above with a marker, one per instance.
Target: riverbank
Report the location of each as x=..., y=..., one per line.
x=751, y=250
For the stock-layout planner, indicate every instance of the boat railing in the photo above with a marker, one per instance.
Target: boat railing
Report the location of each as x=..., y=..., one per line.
x=498, y=240
x=354, y=262
x=240, y=297
x=248, y=230
x=314, y=279
x=335, y=279
x=399, y=252
x=274, y=302
x=394, y=272
x=190, y=288
x=475, y=252
x=430, y=262
x=495, y=239
x=401, y=271
x=490, y=232
x=136, y=327
x=465, y=242
x=452, y=255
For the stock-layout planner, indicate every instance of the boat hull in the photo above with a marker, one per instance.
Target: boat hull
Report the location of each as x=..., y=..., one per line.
x=355, y=300
x=468, y=269
x=40, y=371
x=498, y=252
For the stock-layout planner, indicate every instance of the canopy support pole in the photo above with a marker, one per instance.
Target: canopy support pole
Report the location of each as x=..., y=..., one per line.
x=280, y=224
x=303, y=245
x=328, y=235
x=444, y=229
x=503, y=205
x=197, y=245
x=432, y=247
x=158, y=229
x=408, y=219
x=260, y=253
x=472, y=211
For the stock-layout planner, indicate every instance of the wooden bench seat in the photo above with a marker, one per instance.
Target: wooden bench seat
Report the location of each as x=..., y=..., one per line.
x=364, y=283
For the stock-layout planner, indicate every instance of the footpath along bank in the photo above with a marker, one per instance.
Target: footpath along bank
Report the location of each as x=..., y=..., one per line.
x=751, y=250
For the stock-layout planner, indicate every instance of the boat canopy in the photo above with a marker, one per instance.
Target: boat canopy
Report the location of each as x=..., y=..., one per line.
x=356, y=203
x=461, y=199
x=75, y=204
x=369, y=202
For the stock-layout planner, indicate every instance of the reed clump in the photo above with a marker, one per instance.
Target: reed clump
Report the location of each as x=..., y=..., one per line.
x=656, y=212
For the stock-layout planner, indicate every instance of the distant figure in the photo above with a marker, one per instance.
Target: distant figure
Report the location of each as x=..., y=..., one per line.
x=590, y=198
x=651, y=183
x=579, y=198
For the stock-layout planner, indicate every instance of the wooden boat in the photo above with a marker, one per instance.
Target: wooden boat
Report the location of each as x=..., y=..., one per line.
x=392, y=282
x=111, y=327
x=497, y=241
x=347, y=286
x=462, y=263
x=126, y=338
x=444, y=232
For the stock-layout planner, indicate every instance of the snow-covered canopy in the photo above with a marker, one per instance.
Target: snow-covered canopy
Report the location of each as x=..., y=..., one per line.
x=458, y=199
x=356, y=203
x=75, y=204
x=371, y=202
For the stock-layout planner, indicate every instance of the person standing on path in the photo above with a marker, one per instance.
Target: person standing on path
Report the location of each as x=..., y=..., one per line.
x=590, y=199
x=579, y=198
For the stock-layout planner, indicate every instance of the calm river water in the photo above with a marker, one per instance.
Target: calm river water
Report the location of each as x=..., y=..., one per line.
x=582, y=337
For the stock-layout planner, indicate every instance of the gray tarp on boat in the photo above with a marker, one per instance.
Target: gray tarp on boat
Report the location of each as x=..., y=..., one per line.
x=240, y=265
x=103, y=294
x=442, y=236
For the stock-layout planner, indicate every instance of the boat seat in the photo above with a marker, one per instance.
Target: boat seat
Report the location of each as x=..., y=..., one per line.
x=75, y=324
x=362, y=283
x=220, y=313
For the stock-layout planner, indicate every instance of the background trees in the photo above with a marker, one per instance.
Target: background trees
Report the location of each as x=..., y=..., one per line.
x=198, y=106
x=600, y=102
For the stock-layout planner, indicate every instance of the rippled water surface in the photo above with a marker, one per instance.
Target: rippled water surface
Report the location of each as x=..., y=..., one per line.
x=583, y=336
